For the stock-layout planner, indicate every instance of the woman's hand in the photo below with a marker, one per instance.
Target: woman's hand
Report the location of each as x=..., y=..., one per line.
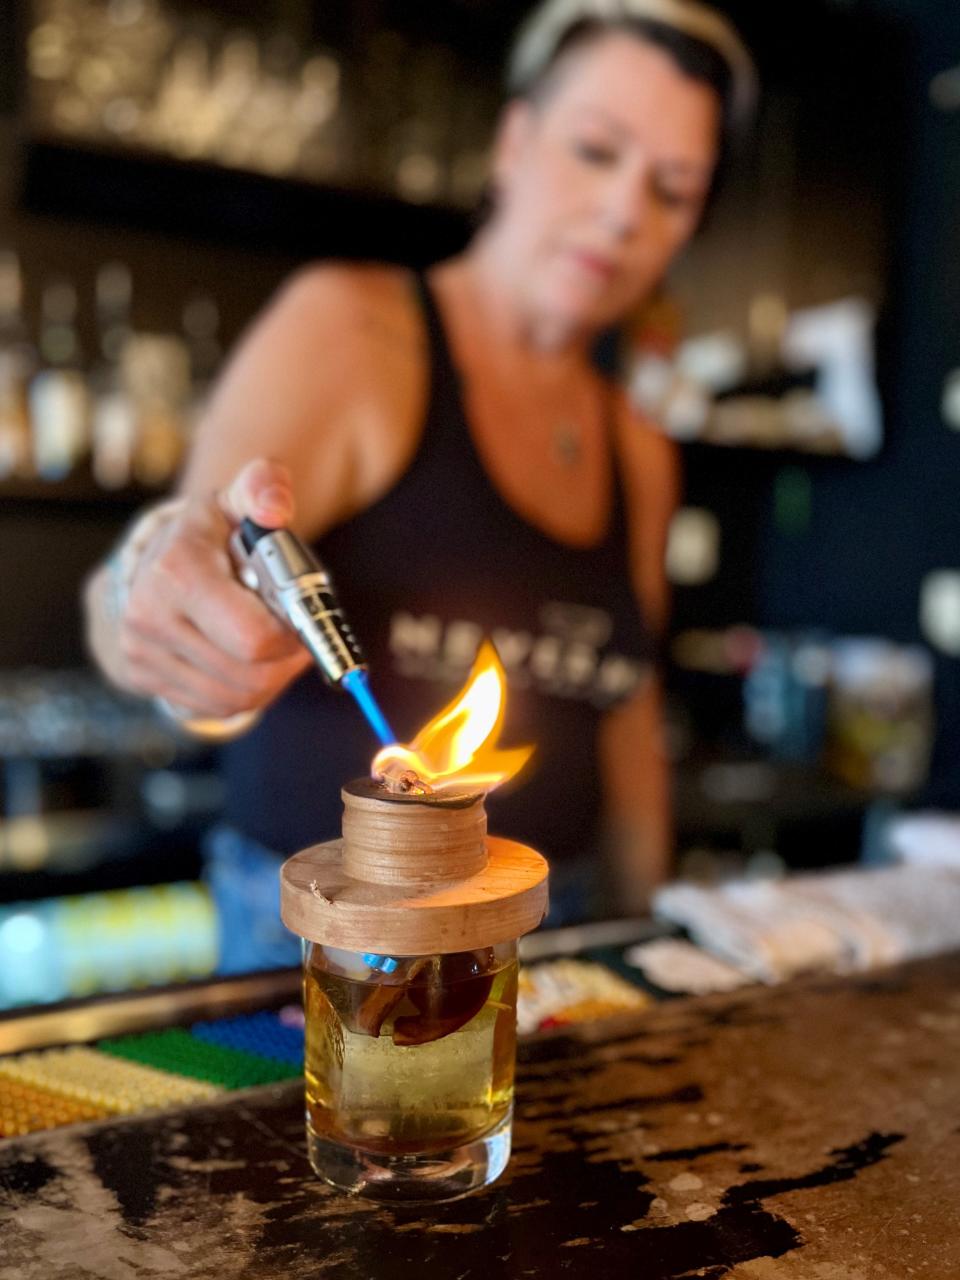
x=177, y=624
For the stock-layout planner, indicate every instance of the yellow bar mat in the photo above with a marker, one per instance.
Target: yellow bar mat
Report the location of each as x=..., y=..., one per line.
x=96, y=1079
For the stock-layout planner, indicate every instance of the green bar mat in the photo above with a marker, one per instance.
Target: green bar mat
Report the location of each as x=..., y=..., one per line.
x=177, y=1051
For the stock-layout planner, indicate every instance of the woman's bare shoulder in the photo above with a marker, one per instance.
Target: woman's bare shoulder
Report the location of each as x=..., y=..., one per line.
x=367, y=352
x=647, y=452
x=368, y=303
x=329, y=380
x=651, y=469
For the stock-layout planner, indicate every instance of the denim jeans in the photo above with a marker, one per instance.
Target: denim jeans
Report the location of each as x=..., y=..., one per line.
x=244, y=879
x=576, y=893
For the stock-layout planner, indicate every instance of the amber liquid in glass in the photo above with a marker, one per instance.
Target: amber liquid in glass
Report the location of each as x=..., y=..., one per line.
x=416, y=1061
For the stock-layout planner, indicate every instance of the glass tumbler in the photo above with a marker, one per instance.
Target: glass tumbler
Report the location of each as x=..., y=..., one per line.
x=409, y=1069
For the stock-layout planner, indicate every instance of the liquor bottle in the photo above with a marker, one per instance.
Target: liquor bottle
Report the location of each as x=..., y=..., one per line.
x=156, y=370
x=201, y=327
x=59, y=396
x=17, y=364
x=114, y=414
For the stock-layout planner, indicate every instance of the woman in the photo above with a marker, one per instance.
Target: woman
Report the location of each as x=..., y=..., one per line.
x=462, y=469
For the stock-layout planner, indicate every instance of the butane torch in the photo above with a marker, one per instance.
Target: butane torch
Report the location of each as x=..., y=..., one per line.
x=293, y=583
x=297, y=588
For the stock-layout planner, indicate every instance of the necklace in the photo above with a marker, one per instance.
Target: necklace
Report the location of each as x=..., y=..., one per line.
x=565, y=438
x=567, y=445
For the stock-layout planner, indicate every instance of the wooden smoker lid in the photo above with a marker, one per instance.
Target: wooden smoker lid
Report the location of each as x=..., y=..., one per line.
x=413, y=875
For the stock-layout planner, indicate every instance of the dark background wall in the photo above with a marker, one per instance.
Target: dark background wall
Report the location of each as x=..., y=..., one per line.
x=877, y=528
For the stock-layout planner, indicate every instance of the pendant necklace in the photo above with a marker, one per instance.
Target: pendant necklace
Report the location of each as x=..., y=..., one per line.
x=567, y=446
x=566, y=443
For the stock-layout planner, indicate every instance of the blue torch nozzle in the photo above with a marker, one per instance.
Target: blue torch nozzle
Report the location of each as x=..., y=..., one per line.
x=355, y=683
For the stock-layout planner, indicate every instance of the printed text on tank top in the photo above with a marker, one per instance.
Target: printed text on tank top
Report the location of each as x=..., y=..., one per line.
x=562, y=652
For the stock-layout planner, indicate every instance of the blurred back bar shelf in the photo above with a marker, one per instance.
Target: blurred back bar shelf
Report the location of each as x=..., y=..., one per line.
x=355, y=131
x=78, y=490
x=96, y=788
x=761, y=816
x=227, y=206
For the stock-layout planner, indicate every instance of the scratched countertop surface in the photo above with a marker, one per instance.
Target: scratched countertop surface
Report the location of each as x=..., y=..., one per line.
x=806, y=1133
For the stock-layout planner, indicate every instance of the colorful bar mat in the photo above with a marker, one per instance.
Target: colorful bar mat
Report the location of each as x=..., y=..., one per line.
x=128, y=1074
x=177, y=1065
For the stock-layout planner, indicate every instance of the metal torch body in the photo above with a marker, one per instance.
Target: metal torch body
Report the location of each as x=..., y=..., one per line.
x=297, y=588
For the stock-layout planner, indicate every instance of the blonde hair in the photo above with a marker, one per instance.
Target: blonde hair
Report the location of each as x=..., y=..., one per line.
x=544, y=34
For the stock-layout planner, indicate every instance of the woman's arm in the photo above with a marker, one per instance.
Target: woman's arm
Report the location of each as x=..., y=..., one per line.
x=638, y=792
x=634, y=757
x=330, y=380
x=326, y=387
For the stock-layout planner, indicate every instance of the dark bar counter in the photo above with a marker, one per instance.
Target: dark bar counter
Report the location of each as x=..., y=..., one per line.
x=810, y=1132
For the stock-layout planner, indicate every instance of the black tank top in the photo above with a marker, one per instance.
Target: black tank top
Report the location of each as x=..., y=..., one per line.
x=433, y=566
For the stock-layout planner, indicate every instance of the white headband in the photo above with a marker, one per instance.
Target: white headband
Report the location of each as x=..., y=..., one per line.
x=543, y=32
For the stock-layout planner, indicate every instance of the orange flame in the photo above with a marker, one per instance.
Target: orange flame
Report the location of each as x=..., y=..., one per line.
x=458, y=748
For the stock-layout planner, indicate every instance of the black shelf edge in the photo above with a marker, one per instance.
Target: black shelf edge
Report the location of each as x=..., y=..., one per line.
x=77, y=490
x=775, y=456
x=207, y=202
